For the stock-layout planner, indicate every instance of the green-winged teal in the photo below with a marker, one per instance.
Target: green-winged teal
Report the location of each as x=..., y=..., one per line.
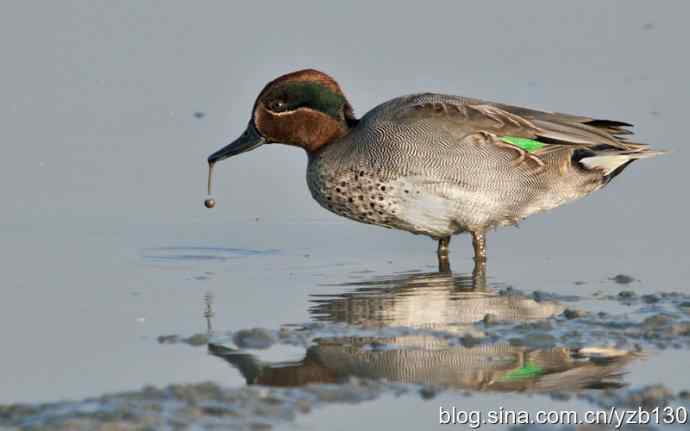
x=435, y=164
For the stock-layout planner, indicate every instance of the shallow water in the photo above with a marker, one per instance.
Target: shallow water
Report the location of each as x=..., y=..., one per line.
x=107, y=246
x=371, y=317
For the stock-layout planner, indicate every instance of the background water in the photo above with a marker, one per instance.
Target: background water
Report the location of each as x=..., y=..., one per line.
x=106, y=244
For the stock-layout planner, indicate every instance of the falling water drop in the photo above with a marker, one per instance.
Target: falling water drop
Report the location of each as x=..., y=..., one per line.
x=210, y=202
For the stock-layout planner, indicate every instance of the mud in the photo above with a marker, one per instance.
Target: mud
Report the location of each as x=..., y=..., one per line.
x=208, y=406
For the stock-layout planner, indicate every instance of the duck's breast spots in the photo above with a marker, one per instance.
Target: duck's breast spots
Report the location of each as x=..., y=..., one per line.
x=356, y=192
x=364, y=195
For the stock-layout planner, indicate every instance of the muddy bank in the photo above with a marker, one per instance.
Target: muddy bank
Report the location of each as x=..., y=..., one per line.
x=209, y=406
x=193, y=406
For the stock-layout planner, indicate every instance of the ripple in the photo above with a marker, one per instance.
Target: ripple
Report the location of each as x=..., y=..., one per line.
x=200, y=254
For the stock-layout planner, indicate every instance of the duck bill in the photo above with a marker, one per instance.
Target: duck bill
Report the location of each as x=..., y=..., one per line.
x=248, y=141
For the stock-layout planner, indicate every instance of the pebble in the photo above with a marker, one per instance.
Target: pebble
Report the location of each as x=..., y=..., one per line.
x=626, y=294
x=428, y=392
x=489, y=319
x=650, y=299
x=197, y=340
x=571, y=313
x=168, y=339
x=255, y=338
x=622, y=279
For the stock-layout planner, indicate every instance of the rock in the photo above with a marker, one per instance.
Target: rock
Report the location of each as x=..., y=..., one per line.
x=197, y=340
x=571, y=313
x=428, y=392
x=469, y=340
x=255, y=338
x=655, y=322
x=650, y=397
x=650, y=299
x=539, y=325
x=168, y=339
x=489, y=319
x=622, y=279
x=626, y=294
x=680, y=329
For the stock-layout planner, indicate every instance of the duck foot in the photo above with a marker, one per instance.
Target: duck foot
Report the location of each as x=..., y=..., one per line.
x=479, y=244
x=479, y=275
x=442, y=252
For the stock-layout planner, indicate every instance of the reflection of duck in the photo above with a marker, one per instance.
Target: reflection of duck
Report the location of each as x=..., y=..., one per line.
x=498, y=367
x=440, y=302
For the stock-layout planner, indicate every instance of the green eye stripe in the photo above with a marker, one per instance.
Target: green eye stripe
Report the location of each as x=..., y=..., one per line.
x=312, y=95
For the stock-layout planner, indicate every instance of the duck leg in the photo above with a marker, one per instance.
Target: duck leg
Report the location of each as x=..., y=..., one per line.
x=479, y=272
x=479, y=275
x=443, y=262
x=479, y=244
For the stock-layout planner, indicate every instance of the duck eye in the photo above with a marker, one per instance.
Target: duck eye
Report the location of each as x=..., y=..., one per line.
x=277, y=105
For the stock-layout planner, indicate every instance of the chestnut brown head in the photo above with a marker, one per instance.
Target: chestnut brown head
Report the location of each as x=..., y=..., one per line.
x=306, y=108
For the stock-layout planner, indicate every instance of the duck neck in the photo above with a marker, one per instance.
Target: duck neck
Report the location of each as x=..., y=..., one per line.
x=327, y=132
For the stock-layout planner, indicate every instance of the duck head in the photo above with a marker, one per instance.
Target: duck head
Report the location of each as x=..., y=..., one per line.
x=306, y=108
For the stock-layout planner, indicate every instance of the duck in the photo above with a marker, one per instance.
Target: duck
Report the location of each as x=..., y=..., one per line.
x=435, y=164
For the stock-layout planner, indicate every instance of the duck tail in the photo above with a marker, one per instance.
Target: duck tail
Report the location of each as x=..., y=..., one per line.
x=613, y=162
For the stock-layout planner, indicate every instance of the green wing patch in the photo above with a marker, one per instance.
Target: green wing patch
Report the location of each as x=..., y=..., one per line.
x=529, y=371
x=529, y=145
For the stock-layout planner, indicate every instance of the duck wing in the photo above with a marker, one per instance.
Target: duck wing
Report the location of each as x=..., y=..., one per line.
x=550, y=130
x=538, y=138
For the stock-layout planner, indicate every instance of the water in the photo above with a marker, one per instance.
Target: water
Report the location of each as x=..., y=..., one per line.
x=107, y=246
